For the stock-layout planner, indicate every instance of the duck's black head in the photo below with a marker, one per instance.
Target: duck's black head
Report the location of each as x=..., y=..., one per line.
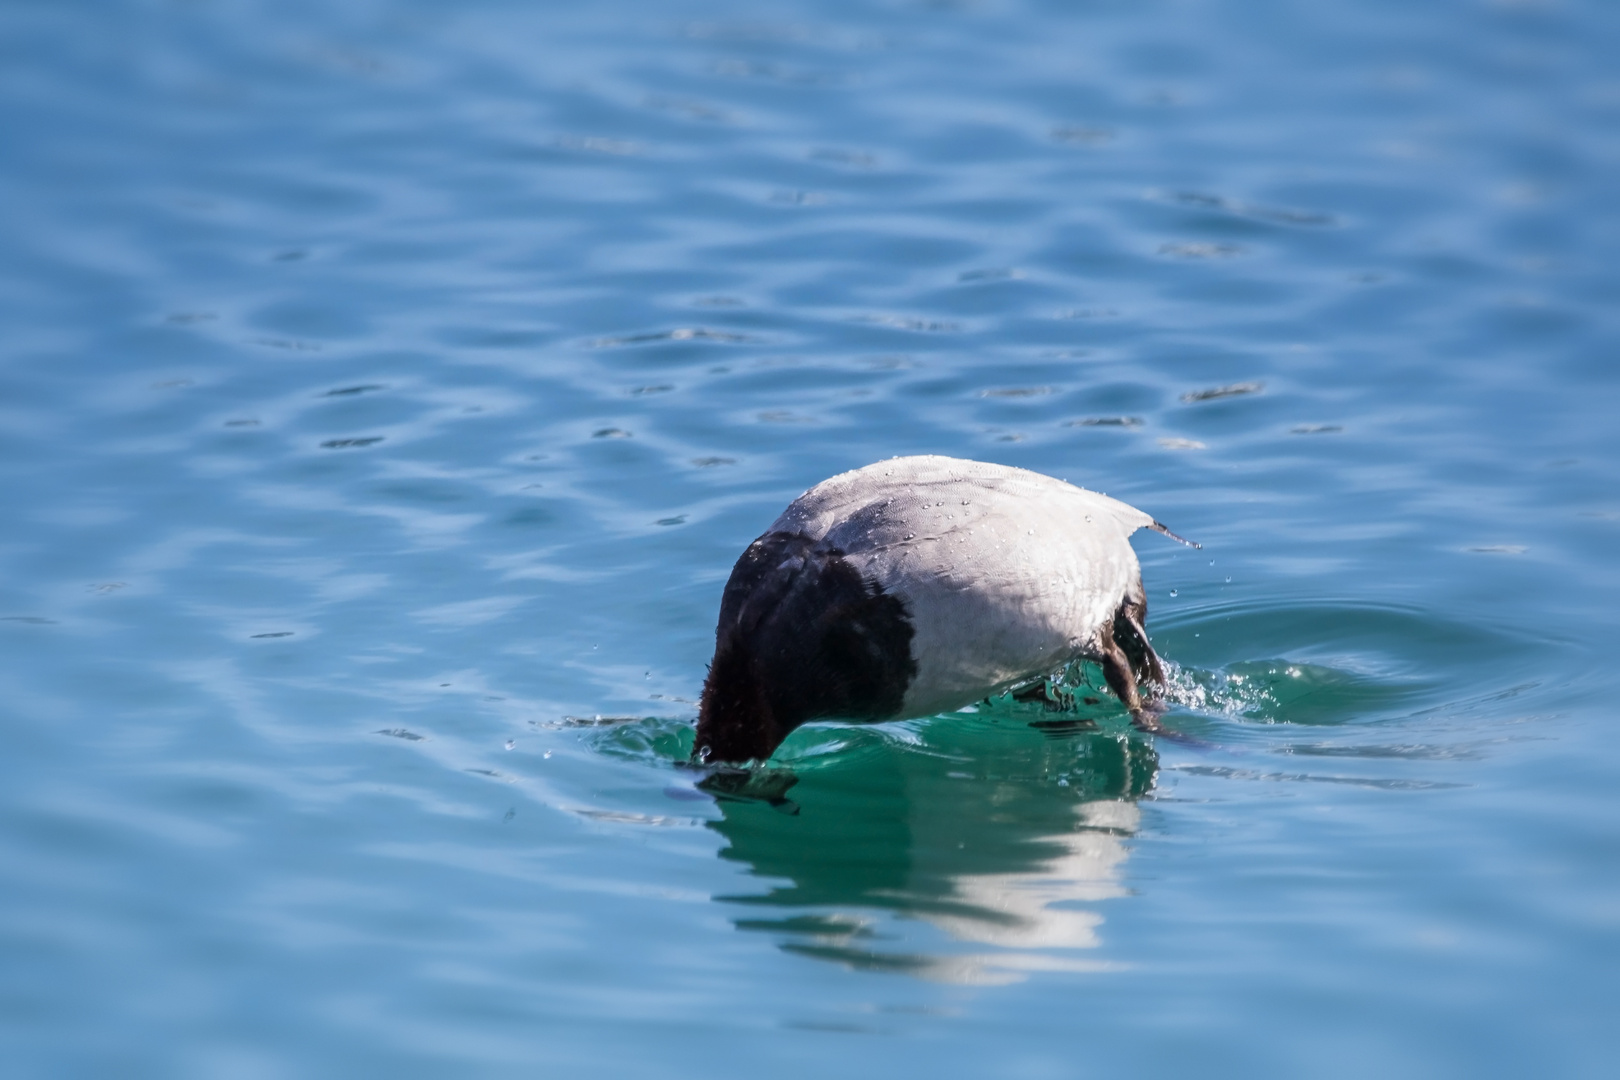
x=801, y=636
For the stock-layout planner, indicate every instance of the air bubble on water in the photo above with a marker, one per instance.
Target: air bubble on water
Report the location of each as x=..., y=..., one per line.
x=1175, y=592
x=1088, y=517
x=511, y=744
x=546, y=755
x=703, y=754
x=1063, y=781
x=910, y=535
x=1229, y=579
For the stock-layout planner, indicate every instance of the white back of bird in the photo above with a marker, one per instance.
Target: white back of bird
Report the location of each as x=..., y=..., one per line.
x=1005, y=572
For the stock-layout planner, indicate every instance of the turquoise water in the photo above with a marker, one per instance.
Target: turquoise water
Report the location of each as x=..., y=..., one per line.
x=387, y=388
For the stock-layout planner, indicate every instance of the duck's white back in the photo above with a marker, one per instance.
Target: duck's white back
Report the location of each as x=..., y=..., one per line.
x=1006, y=573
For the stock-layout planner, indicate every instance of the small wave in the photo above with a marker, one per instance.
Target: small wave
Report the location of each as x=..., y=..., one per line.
x=1214, y=393
x=1377, y=783
x=651, y=740
x=903, y=322
x=1332, y=662
x=625, y=817
x=1281, y=214
x=680, y=333
x=1272, y=691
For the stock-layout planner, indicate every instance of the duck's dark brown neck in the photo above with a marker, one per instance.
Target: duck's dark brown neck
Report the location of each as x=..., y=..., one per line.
x=801, y=636
x=736, y=722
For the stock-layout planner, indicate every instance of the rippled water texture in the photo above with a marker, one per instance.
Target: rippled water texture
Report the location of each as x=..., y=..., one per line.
x=386, y=389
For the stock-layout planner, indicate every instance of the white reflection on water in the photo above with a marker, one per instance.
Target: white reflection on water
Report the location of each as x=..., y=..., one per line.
x=1025, y=914
x=1020, y=911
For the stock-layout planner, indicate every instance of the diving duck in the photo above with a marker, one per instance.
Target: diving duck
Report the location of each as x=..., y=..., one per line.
x=919, y=585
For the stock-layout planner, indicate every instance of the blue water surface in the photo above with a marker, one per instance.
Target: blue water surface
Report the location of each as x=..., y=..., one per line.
x=387, y=387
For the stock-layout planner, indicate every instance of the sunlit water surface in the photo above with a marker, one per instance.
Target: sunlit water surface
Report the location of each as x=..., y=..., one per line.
x=387, y=388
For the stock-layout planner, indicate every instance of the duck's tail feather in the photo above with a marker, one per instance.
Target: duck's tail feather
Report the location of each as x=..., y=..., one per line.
x=1159, y=527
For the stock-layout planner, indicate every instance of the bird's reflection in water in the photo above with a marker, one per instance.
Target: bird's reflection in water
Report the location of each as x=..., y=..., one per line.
x=999, y=838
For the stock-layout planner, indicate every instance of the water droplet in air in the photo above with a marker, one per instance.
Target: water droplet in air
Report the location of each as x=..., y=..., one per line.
x=1174, y=592
x=546, y=755
x=703, y=754
x=1229, y=579
x=511, y=744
